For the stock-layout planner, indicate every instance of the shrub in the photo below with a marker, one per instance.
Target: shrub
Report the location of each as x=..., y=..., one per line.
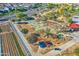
x=25, y=31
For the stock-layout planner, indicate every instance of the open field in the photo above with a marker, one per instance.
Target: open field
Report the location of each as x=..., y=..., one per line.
x=72, y=51
x=36, y=48
x=9, y=42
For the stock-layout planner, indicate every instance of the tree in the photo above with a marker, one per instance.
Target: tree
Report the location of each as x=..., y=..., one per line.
x=70, y=20
x=61, y=10
x=35, y=15
x=13, y=20
x=37, y=5
x=43, y=18
x=30, y=18
x=70, y=10
x=48, y=15
x=48, y=32
x=51, y=5
x=60, y=36
x=33, y=39
x=36, y=34
x=77, y=9
x=0, y=30
x=21, y=9
x=2, y=14
x=25, y=31
x=19, y=20
x=21, y=15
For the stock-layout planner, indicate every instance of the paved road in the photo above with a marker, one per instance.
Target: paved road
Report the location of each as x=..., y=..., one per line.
x=8, y=17
x=75, y=36
x=13, y=16
x=62, y=47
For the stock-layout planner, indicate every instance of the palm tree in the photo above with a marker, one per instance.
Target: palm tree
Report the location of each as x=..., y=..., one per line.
x=51, y=5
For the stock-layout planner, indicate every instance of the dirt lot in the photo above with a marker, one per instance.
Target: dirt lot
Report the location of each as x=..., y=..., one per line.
x=71, y=51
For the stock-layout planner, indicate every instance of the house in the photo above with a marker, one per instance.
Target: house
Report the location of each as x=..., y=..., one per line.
x=48, y=43
x=75, y=19
x=74, y=26
x=6, y=9
x=1, y=10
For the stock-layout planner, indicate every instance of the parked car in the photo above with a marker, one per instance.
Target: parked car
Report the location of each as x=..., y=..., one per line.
x=57, y=49
x=73, y=27
x=70, y=30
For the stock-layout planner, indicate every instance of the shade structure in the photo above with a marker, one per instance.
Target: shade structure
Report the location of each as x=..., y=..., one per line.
x=42, y=44
x=74, y=26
